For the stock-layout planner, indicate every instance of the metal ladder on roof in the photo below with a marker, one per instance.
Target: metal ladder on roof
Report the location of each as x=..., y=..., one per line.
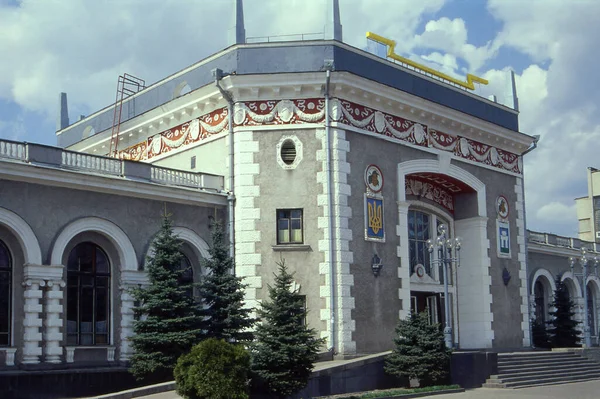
x=127, y=85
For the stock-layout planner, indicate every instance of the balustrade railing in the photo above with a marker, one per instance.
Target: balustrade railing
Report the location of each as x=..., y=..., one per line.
x=64, y=159
x=13, y=150
x=92, y=163
x=560, y=241
x=175, y=177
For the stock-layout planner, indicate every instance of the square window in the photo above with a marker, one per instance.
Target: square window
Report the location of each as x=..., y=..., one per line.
x=289, y=226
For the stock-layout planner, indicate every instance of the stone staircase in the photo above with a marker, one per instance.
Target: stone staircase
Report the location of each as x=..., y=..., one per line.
x=528, y=369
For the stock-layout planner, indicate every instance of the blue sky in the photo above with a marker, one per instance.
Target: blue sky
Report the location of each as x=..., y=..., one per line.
x=80, y=47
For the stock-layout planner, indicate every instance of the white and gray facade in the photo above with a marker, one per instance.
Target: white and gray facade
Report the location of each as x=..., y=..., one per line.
x=281, y=140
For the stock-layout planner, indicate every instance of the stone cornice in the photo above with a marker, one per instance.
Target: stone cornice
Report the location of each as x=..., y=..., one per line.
x=107, y=184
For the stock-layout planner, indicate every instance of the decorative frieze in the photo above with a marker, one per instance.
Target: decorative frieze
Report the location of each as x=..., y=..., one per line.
x=475, y=151
x=187, y=133
x=284, y=112
x=310, y=111
x=430, y=191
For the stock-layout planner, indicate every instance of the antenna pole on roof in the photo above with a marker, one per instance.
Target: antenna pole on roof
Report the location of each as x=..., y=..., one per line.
x=237, y=32
x=333, y=24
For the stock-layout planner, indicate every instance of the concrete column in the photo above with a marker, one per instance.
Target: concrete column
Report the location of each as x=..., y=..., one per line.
x=32, y=337
x=53, y=321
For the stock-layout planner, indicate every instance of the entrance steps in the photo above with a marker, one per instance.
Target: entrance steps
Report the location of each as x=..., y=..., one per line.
x=529, y=369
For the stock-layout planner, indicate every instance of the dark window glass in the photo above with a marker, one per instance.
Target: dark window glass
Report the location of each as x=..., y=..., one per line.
x=289, y=226
x=88, y=296
x=418, y=234
x=187, y=276
x=591, y=309
x=540, y=303
x=5, y=294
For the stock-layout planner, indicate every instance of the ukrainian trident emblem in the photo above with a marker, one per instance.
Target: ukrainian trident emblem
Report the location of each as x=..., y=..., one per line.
x=374, y=219
x=375, y=215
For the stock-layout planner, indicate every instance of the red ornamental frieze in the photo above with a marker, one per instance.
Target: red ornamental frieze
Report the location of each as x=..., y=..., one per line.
x=371, y=120
x=432, y=192
x=136, y=152
x=475, y=151
x=187, y=133
x=283, y=112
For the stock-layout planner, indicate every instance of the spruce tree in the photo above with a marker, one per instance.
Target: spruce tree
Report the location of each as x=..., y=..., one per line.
x=563, y=332
x=285, y=347
x=168, y=322
x=420, y=351
x=222, y=293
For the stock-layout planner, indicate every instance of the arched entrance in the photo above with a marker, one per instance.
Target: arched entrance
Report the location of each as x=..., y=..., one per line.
x=432, y=192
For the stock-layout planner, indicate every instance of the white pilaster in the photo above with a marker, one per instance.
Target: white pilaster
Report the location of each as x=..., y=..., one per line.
x=403, y=254
x=522, y=259
x=474, y=282
x=129, y=279
x=342, y=236
x=247, y=212
x=32, y=337
x=53, y=321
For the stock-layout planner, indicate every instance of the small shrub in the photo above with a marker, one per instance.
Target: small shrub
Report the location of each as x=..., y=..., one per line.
x=214, y=369
x=419, y=351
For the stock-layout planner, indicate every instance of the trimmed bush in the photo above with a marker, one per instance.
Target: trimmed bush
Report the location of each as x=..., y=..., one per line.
x=214, y=369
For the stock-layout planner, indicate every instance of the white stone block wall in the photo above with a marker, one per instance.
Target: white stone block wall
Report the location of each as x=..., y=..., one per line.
x=247, y=213
x=343, y=302
x=522, y=259
x=403, y=254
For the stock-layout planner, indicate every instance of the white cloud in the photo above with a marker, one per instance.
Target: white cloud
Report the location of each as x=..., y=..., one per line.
x=81, y=47
x=558, y=102
x=451, y=36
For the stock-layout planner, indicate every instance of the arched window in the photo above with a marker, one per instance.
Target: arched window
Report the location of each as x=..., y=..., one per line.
x=423, y=226
x=187, y=277
x=5, y=294
x=88, y=296
x=540, y=302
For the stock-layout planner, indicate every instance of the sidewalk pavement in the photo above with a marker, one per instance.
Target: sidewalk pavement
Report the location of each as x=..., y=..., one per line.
x=578, y=390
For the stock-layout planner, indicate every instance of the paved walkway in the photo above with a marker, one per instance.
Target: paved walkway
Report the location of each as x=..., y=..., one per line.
x=579, y=390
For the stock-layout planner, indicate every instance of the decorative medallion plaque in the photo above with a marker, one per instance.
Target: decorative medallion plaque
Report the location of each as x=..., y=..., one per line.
x=502, y=207
x=373, y=179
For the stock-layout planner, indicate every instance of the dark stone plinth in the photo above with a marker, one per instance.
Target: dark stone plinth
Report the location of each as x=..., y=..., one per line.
x=472, y=369
x=66, y=383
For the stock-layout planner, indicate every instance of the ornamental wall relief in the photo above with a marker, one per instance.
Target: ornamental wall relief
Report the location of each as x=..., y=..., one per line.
x=312, y=110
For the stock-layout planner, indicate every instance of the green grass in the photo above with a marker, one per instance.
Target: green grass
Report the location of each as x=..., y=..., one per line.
x=397, y=392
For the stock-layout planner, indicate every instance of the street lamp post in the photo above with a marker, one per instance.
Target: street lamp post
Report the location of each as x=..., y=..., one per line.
x=583, y=261
x=445, y=247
